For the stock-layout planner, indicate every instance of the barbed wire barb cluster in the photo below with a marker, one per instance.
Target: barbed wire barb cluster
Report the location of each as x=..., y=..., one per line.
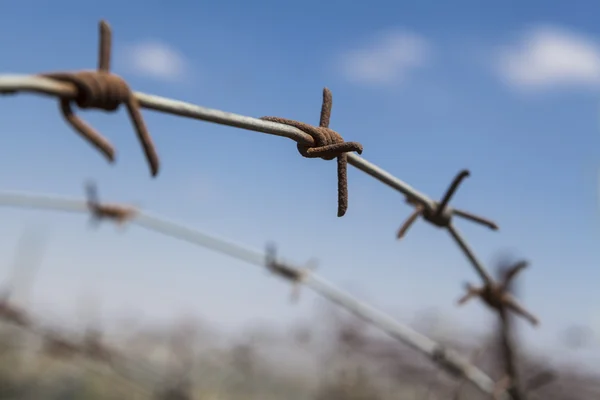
x=105, y=91
x=295, y=275
x=328, y=145
x=101, y=89
x=116, y=212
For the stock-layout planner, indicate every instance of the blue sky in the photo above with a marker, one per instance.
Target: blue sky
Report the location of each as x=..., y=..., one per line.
x=509, y=91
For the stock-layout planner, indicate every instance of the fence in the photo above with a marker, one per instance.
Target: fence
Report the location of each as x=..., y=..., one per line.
x=104, y=90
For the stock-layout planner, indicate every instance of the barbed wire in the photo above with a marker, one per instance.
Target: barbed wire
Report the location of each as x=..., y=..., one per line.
x=446, y=358
x=103, y=90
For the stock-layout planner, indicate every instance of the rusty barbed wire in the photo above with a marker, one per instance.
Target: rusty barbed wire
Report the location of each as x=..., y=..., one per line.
x=500, y=296
x=447, y=359
x=512, y=382
x=118, y=213
x=439, y=215
x=103, y=90
x=328, y=145
x=295, y=275
x=496, y=295
x=11, y=84
x=428, y=208
x=432, y=211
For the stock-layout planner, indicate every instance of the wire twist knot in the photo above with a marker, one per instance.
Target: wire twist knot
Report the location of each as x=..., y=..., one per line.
x=296, y=276
x=96, y=89
x=496, y=295
x=328, y=145
x=116, y=212
x=103, y=90
x=440, y=214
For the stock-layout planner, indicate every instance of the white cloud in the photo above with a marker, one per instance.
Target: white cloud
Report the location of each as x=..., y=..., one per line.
x=387, y=59
x=549, y=56
x=156, y=60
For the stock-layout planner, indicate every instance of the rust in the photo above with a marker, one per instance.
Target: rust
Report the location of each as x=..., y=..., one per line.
x=116, y=212
x=496, y=296
x=440, y=215
x=103, y=90
x=295, y=275
x=328, y=145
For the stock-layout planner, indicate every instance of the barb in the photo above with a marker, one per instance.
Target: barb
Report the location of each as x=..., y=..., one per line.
x=507, y=338
x=115, y=212
x=499, y=297
x=328, y=145
x=295, y=275
x=445, y=358
x=439, y=215
x=106, y=91
x=496, y=296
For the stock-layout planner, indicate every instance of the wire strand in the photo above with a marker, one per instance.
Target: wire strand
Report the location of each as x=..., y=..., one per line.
x=10, y=84
x=396, y=330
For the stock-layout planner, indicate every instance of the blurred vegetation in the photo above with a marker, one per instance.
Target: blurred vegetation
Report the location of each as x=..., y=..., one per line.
x=346, y=361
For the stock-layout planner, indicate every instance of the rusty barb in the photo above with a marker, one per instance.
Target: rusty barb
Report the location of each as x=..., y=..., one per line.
x=328, y=145
x=296, y=276
x=496, y=296
x=115, y=212
x=439, y=214
x=105, y=91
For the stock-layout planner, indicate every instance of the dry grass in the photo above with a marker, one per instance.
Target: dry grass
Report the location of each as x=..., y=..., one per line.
x=181, y=361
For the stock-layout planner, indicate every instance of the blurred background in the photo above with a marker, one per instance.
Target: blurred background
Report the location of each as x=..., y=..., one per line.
x=509, y=91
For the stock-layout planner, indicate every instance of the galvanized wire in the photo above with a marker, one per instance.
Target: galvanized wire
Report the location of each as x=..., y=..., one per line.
x=444, y=357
